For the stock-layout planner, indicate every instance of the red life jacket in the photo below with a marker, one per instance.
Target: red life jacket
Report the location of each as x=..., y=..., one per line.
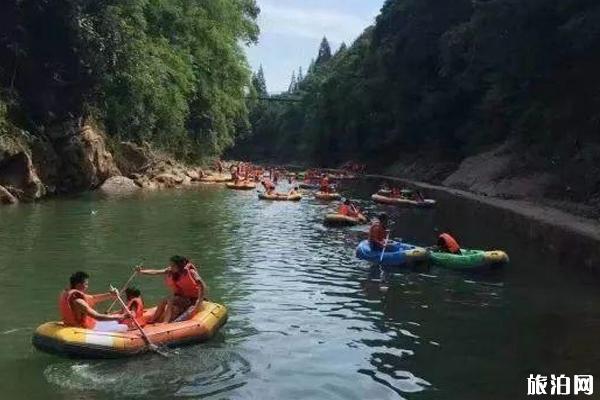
x=450, y=243
x=138, y=314
x=344, y=210
x=377, y=233
x=68, y=315
x=185, y=285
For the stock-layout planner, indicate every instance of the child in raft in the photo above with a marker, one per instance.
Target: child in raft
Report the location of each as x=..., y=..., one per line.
x=295, y=191
x=135, y=305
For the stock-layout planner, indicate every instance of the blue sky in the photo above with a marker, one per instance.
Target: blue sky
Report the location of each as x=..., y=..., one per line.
x=291, y=31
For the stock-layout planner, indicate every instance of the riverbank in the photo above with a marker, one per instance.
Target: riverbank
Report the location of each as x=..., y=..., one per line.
x=78, y=157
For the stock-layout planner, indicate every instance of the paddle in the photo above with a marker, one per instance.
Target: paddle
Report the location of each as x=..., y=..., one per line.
x=149, y=344
x=109, y=309
x=385, y=243
x=387, y=238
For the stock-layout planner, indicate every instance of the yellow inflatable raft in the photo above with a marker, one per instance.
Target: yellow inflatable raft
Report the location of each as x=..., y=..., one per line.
x=327, y=196
x=55, y=338
x=344, y=220
x=218, y=178
x=279, y=197
x=241, y=185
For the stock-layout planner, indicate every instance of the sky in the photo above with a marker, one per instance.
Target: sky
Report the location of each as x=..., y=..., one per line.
x=291, y=31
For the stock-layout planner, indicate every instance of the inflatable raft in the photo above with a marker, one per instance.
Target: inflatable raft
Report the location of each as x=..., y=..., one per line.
x=402, y=201
x=327, y=196
x=221, y=178
x=305, y=185
x=344, y=220
x=469, y=259
x=279, y=197
x=241, y=186
x=55, y=338
x=335, y=177
x=396, y=254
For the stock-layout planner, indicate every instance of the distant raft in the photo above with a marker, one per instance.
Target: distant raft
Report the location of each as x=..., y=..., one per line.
x=344, y=220
x=56, y=338
x=402, y=201
x=341, y=177
x=279, y=197
x=217, y=178
x=469, y=259
x=306, y=185
x=327, y=196
x=247, y=185
x=396, y=254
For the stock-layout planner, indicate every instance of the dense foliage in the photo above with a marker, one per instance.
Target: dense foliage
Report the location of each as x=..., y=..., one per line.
x=449, y=78
x=172, y=72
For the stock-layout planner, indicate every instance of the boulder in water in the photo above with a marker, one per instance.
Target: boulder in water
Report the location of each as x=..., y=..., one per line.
x=117, y=185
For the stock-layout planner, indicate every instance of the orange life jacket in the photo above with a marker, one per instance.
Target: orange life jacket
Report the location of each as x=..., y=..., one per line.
x=450, y=243
x=68, y=315
x=185, y=285
x=377, y=233
x=344, y=210
x=138, y=314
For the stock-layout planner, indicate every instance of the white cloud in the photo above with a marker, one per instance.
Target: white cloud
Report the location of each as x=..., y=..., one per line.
x=311, y=23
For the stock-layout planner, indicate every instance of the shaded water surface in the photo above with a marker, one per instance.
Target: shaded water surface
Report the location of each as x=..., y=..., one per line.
x=305, y=319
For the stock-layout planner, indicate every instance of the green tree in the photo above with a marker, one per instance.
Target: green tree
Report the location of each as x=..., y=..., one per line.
x=324, y=52
x=166, y=71
x=259, y=82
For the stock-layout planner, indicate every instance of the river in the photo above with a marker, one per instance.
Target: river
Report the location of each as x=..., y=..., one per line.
x=305, y=320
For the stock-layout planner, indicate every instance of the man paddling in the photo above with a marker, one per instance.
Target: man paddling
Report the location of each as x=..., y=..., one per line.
x=378, y=233
x=77, y=307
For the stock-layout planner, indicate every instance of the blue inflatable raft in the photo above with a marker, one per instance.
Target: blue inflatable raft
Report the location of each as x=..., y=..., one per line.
x=396, y=254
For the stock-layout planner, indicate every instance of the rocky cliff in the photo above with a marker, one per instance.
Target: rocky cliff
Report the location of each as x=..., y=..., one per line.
x=77, y=156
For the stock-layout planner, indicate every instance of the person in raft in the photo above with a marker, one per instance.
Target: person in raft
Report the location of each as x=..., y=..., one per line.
x=77, y=307
x=269, y=186
x=378, y=232
x=181, y=276
x=324, y=184
x=446, y=244
x=295, y=191
x=348, y=209
x=135, y=305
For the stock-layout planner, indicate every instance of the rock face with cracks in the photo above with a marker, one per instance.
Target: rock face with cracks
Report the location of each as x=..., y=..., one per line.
x=76, y=156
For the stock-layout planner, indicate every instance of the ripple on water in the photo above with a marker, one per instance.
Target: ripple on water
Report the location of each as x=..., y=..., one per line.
x=189, y=373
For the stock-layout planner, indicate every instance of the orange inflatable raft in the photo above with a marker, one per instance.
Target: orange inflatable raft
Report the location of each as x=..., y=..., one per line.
x=279, y=197
x=327, y=196
x=344, y=220
x=247, y=185
x=402, y=201
x=217, y=178
x=66, y=341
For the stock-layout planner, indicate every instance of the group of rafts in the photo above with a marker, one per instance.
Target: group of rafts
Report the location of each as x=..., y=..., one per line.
x=73, y=340
x=445, y=253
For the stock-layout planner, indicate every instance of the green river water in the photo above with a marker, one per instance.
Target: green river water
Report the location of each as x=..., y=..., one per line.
x=305, y=319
